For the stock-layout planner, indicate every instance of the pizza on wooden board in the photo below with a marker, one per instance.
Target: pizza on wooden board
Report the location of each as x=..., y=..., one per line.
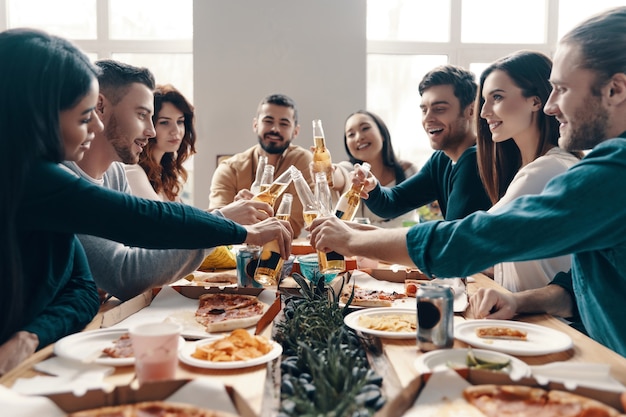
x=365, y=297
x=150, y=409
x=522, y=401
x=222, y=312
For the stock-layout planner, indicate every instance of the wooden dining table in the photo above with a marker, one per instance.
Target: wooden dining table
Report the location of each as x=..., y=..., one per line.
x=400, y=354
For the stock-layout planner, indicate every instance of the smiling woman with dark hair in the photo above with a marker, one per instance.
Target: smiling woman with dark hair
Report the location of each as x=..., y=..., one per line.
x=367, y=139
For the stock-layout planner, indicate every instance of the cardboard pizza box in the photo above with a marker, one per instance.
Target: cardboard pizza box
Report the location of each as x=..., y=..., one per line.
x=115, y=310
x=388, y=273
x=195, y=291
x=396, y=407
x=301, y=247
x=121, y=395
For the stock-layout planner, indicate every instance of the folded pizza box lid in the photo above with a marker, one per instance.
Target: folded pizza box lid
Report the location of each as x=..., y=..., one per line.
x=395, y=275
x=193, y=291
x=121, y=395
x=115, y=310
x=396, y=407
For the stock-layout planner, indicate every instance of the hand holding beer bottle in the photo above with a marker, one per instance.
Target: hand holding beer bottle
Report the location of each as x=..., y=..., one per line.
x=270, y=262
x=349, y=202
x=331, y=262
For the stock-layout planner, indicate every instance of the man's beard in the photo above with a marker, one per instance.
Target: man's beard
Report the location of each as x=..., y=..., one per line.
x=274, y=148
x=123, y=147
x=455, y=136
x=590, y=129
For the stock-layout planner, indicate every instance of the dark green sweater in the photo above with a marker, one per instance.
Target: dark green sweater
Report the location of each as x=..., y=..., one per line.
x=457, y=187
x=61, y=296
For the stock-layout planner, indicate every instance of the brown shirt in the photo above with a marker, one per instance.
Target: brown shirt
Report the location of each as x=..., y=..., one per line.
x=238, y=172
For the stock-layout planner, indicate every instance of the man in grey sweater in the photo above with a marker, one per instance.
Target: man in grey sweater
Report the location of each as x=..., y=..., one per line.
x=125, y=106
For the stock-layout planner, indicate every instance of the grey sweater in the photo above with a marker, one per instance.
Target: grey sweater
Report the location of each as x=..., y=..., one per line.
x=126, y=271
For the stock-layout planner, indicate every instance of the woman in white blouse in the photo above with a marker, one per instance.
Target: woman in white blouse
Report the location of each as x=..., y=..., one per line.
x=518, y=150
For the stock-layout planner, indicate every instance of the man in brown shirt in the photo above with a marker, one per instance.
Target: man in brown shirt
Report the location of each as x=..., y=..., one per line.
x=276, y=126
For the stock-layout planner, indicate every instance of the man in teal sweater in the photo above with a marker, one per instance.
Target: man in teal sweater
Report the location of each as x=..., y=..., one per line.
x=579, y=212
x=450, y=176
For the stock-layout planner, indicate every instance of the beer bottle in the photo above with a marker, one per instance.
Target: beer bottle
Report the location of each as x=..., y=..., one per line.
x=267, y=178
x=276, y=188
x=256, y=185
x=322, y=195
x=321, y=155
x=270, y=262
x=310, y=206
x=331, y=262
x=349, y=202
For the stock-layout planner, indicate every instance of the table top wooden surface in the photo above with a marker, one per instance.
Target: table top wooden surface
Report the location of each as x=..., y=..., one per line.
x=400, y=353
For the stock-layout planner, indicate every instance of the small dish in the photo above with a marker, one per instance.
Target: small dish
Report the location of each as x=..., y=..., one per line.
x=456, y=358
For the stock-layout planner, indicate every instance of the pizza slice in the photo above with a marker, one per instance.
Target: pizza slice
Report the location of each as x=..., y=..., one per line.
x=122, y=348
x=588, y=407
x=221, y=312
x=150, y=409
x=522, y=401
x=498, y=400
x=224, y=301
x=364, y=297
x=498, y=332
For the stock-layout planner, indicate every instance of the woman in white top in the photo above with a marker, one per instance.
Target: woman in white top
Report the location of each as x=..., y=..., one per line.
x=367, y=139
x=518, y=152
x=160, y=174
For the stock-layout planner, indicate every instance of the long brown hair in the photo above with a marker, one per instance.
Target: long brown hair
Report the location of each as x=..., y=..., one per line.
x=169, y=175
x=499, y=162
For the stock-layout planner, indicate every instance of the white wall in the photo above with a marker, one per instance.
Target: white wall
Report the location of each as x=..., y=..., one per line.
x=312, y=50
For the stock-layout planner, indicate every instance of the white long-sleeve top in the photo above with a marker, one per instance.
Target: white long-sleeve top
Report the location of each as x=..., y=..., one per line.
x=531, y=179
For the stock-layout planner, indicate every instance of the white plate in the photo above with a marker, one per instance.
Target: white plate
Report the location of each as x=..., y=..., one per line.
x=540, y=340
x=87, y=347
x=352, y=321
x=456, y=358
x=84, y=346
x=185, y=356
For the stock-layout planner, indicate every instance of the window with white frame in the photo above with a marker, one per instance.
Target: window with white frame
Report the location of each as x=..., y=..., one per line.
x=407, y=38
